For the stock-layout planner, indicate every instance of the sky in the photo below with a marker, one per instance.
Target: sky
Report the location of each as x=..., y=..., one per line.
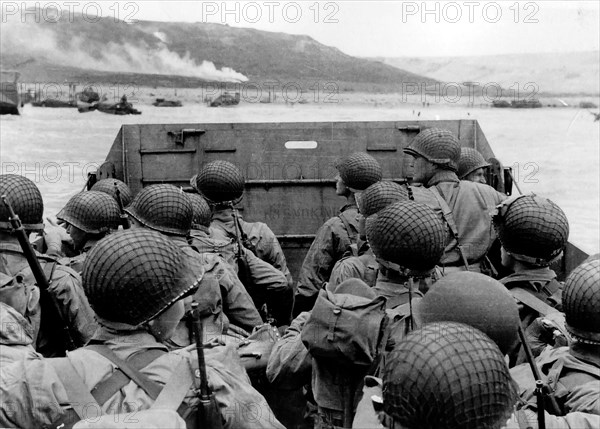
x=392, y=28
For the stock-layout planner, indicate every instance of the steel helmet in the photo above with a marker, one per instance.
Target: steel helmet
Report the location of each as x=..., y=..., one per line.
x=380, y=195
x=202, y=213
x=108, y=186
x=359, y=170
x=438, y=146
x=470, y=160
x=164, y=208
x=25, y=199
x=92, y=212
x=581, y=302
x=220, y=181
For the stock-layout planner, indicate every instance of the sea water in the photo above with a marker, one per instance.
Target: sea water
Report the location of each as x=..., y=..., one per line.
x=554, y=152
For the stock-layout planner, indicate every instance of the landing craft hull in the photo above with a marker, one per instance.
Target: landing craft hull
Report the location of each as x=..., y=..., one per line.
x=290, y=188
x=10, y=99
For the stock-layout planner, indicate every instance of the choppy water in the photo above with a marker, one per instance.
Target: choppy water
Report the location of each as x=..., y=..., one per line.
x=555, y=152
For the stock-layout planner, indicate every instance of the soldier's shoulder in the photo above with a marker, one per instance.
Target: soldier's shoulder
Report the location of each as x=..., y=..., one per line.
x=483, y=189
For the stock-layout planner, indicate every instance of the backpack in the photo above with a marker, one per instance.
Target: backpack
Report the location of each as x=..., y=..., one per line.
x=345, y=328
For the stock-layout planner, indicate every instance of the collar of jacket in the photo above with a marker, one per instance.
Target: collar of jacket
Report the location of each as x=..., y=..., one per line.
x=15, y=330
x=348, y=207
x=543, y=274
x=224, y=215
x=586, y=352
x=124, y=336
x=443, y=176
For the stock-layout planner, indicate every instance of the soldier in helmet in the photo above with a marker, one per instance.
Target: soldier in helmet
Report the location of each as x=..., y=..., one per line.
x=268, y=285
x=408, y=240
x=110, y=187
x=446, y=375
x=88, y=216
x=364, y=266
x=136, y=281
x=573, y=372
x=65, y=284
x=166, y=209
x=533, y=232
x=465, y=205
x=339, y=235
x=222, y=184
x=472, y=165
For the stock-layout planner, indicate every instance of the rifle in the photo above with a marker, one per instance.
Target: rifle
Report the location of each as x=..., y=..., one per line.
x=38, y=273
x=208, y=415
x=124, y=218
x=542, y=391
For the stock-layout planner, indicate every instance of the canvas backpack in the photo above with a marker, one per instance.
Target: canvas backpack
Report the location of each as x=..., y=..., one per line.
x=345, y=328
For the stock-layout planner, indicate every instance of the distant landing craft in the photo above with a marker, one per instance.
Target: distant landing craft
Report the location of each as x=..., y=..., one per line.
x=596, y=116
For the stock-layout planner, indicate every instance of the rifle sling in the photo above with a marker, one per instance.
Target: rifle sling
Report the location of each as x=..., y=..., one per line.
x=127, y=371
x=172, y=395
x=531, y=301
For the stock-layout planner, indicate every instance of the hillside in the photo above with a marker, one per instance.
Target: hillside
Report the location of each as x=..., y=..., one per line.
x=185, y=54
x=560, y=73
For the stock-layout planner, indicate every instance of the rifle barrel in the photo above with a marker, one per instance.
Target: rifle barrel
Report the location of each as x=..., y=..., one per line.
x=199, y=334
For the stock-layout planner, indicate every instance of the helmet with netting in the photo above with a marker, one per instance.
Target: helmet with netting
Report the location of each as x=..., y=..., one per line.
x=532, y=229
x=132, y=276
x=407, y=234
x=447, y=376
x=581, y=302
x=380, y=195
x=202, y=213
x=108, y=187
x=475, y=300
x=220, y=181
x=470, y=160
x=438, y=146
x=359, y=170
x=25, y=199
x=165, y=208
x=92, y=212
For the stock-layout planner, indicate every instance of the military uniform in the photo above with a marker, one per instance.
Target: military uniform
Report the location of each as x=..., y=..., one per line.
x=126, y=301
x=572, y=373
x=65, y=285
x=465, y=206
x=76, y=262
x=267, y=285
x=362, y=267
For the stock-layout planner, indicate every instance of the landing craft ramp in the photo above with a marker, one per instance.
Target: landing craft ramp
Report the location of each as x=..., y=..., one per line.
x=289, y=167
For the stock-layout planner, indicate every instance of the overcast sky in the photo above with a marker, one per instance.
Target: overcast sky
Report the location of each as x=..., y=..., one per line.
x=397, y=28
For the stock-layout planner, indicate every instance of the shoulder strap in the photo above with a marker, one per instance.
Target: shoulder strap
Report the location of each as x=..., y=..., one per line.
x=48, y=269
x=352, y=233
x=104, y=390
x=449, y=218
x=531, y=301
x=78, y=395
x=174, y=392
x=151, y=388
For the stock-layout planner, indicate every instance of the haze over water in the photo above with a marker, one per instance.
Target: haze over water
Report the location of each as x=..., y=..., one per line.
x=554, y=152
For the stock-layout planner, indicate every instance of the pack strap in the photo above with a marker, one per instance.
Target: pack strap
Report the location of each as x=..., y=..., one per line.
x=105, y=390
x=352, y=233
x=151, y=388
x=78, y=395
x=449, y=218
x=174, y=392
x=531, y=301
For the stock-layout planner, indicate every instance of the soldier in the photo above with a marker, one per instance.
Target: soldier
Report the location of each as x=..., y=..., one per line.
x=573, y=372
x=375, y=198
x=465, y=205
x=408, y=240
x=88, y=216
x=108, y=187
x=65, y=284
x=268, y=285
x=135, y=281
x=472, y=165
x=446, y=375
x=533, y=232
x=222, y=184
x=339, y=235
x=166, y=209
